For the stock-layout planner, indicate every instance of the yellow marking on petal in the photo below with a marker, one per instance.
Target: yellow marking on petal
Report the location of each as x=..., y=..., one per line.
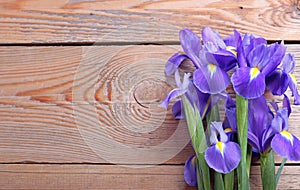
x=182, y=52
x=293, y=78
x=227, y=130
x=231, y=49
x=212, y=69
x=254, y=72
x=220, y=146
x=287, y=135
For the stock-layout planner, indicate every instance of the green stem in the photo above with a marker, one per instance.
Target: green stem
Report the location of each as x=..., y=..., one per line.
x=242, y=122
x=267, y=169
x=280, y=170
x=229, y=181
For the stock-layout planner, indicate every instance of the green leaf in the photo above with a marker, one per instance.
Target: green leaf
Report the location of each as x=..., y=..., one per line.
x=229, y=181
x=219, y=183
x=196, y=130
x=280, y=170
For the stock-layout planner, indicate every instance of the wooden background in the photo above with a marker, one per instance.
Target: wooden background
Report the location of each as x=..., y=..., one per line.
x=74, y=71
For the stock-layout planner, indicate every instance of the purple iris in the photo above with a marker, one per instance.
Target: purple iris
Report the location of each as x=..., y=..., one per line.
x=256, y=61
x=284, y=77
x=211, y=61
x=191, y=44
x=284, y=143
x=190, y=171
x=260, y=132
x=182, y=88
x=223, y=51
x=223, y=155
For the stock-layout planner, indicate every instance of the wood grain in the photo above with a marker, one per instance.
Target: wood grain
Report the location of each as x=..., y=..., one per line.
x=85, y=21
x=55, y=176
x=58, y=103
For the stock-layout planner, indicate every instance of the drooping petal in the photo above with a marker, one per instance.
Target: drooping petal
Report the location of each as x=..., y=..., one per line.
x=174, y=62
x=191, y=45
x=223, y=157
x=277, y=82
x=286, y=145
x=172, y=95
x=210, y=79
x=248, y=82
x=190, y=171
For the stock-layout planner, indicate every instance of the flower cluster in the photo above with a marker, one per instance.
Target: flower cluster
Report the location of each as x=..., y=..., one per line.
x=253, y=68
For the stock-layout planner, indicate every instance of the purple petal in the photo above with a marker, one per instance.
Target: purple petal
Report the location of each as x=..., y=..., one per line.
x=288, y=63
x=223, y=157
x=247, y=83
x=286, y=104
x=210, y=79
x=174, y=62
x=225, y=59
x=191, y=45
x=286, y=145
x=293, y=87
x=277, y=52
x=277, y=82
x=240, y=50
x=190, y=171
x=177, y=110
x=259, y=56
x=254, y=141
x=172, y=95
x=209, y=35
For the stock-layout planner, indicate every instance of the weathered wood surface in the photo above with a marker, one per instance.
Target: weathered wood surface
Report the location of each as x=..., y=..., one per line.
x=57, y=104
x=89, y=21
x=56, y=176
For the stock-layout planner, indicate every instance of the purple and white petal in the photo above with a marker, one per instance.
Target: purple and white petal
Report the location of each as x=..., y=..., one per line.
x=190, y=171
x=174, y=62
x=223, y=157
x=248, y=82
x=210, y=79
x=191, y=45
x=286, y=145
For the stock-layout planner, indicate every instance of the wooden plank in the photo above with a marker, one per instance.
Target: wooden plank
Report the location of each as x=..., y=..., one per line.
x=42, y=21
x=63, y=176
x=58, y=103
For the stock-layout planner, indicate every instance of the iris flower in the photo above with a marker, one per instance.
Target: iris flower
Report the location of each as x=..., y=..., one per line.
x=182, y=88
x=223, y=155
x=256, y=61
x=284, y=77
x=284, y=143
